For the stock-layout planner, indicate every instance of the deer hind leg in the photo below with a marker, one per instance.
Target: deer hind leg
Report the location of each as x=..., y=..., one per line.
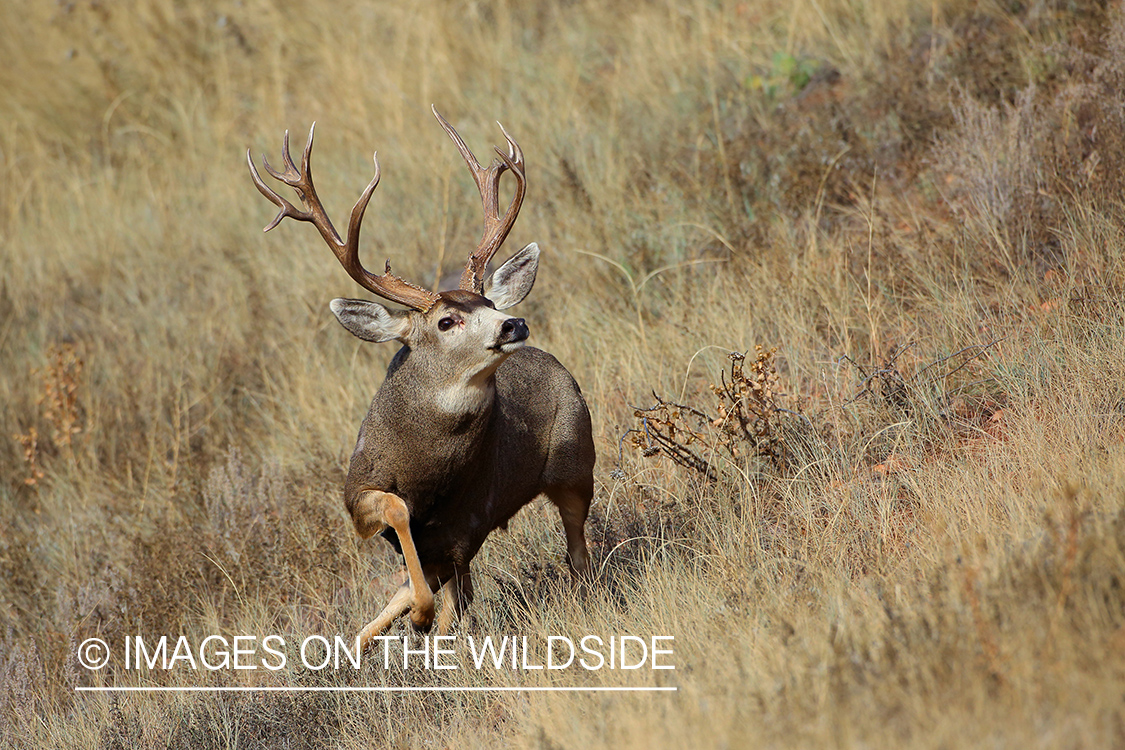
x=392, y=511
x=574, y=507
x=457, y=596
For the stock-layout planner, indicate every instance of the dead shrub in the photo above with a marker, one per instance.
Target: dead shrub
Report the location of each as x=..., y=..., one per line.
x=749, y=421
x=60, y=412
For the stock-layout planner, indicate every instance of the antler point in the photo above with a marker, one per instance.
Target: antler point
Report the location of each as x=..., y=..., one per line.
x=276, y=220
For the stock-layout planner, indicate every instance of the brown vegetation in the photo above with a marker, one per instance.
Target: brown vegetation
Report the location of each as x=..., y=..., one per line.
x=910, y=533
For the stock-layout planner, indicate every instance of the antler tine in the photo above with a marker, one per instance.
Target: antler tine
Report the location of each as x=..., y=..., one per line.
x=496, y=227
x=286, y=208
x=515, y=153
x=387, y=285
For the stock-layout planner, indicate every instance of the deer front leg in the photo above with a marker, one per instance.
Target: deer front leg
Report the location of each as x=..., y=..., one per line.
x=573, y=508
x=398, y=604
x=374, y=508
x=458, y=595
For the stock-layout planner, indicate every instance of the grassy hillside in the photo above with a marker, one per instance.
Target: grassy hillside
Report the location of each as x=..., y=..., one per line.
x=900, y=522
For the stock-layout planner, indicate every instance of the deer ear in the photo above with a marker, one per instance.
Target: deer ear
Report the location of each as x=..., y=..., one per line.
x=370, y=321
x=511, y=282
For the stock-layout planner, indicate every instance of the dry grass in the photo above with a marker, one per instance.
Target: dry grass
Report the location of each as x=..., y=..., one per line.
x=917, y=204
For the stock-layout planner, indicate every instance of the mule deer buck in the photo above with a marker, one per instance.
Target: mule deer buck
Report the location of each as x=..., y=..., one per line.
x=469, y=424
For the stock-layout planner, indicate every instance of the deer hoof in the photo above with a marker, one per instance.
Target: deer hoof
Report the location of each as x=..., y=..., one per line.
x=422, y=620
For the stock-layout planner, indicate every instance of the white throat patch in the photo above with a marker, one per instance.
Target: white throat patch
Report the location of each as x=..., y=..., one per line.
x=466, y=398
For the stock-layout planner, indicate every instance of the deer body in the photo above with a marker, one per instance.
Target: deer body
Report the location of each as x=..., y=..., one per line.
x=481, y=466
x=469, y=425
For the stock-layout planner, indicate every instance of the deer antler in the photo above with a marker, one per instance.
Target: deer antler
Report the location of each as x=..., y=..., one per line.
x=496, y=227
x=387, y=286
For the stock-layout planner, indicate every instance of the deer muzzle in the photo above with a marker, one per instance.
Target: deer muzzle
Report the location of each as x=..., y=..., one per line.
x=513, y=332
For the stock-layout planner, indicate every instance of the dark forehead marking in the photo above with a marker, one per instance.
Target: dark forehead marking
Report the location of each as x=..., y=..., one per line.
x=464, y=300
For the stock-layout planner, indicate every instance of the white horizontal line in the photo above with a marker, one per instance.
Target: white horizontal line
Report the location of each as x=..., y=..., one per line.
x=365, y=689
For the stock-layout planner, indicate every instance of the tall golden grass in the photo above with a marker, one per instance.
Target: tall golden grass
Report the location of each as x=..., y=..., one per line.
x=918, y=204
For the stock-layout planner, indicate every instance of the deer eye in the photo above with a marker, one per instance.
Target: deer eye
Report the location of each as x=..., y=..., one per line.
x=445, y=324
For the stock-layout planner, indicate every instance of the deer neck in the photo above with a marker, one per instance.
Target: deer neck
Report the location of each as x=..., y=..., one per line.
x=461, y=398
x=468, y=396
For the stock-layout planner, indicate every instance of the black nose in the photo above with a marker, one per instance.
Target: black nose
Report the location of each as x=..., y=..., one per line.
x=513, y=329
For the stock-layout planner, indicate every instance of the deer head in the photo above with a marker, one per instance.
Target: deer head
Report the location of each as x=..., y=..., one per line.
x=459, y=332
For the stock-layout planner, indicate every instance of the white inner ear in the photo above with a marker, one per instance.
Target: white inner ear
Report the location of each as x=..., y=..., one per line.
x=512, y=281
x=370, y=321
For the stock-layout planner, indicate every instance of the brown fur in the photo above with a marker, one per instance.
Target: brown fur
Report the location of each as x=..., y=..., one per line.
x=461, y=475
